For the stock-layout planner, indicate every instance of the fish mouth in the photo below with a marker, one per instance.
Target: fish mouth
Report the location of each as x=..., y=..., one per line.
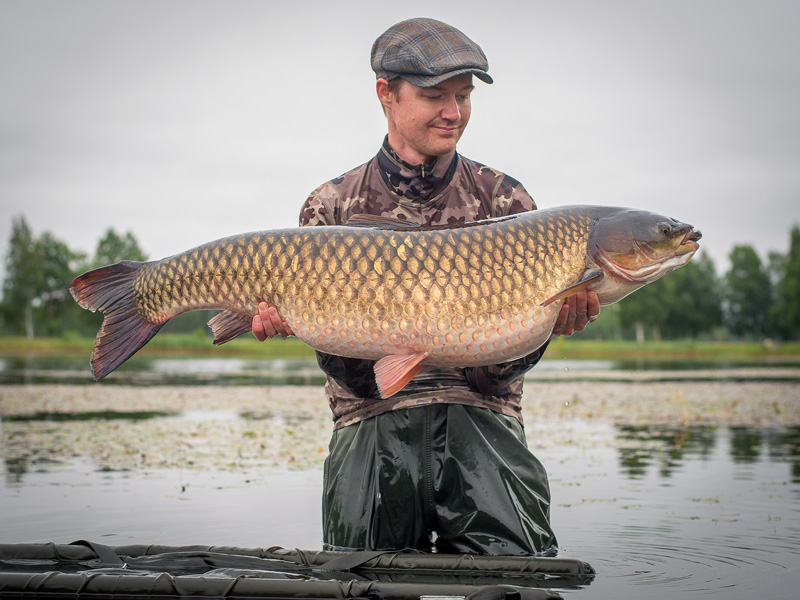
x=692, y=236
x=690, y=239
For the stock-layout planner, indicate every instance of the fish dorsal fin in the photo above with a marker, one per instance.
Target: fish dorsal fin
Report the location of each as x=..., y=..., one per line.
x=393, y=372
x=588, y=277
x=380, y=222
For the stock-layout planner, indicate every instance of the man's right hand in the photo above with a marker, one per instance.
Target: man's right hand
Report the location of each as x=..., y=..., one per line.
x=268, y=323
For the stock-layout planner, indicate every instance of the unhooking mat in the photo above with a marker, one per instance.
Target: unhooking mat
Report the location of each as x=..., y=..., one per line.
x=89, y=570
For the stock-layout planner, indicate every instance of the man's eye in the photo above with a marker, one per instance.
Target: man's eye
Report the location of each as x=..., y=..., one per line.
x=432, y=97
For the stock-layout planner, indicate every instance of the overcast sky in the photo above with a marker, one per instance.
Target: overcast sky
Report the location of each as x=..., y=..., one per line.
x=187, y=121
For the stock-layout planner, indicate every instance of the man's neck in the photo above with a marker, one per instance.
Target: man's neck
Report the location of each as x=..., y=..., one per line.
x=418, y=182
x=408, y=154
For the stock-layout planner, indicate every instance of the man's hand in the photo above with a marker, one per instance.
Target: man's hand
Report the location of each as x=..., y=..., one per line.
x=577, y=311
x=268, y=323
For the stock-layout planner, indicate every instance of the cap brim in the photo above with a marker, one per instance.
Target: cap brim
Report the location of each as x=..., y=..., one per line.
x=433, y=80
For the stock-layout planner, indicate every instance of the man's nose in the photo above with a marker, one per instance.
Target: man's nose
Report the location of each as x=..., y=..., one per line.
x=451, y=110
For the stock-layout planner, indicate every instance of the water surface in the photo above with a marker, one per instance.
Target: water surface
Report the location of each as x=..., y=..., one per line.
x=673, y=509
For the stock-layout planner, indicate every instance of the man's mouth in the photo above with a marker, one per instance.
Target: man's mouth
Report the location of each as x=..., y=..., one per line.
x=446, y=128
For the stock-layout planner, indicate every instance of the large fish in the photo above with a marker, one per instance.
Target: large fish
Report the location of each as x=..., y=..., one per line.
x=467, y=295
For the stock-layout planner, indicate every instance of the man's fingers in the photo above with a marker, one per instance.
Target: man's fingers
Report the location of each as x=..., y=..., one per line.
x=592, y=305
x=263, y=327
x=561, y=326
x=581, y=316
x=278, y=325
x=577, y=311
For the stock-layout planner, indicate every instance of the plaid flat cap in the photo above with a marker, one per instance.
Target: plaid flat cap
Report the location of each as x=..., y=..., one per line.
x=426, y=52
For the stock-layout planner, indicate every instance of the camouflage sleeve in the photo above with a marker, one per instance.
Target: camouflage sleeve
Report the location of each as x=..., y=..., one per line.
x=321, y=207
x=495, y=379
x=513, y=198
x=355, y=375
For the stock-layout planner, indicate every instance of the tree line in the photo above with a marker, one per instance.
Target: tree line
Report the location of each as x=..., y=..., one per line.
x=753, y=300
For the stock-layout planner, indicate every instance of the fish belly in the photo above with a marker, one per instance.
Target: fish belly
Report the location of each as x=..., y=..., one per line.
x=490, y=340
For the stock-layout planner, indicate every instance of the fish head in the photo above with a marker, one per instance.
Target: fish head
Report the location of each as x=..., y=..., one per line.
x=636, y=247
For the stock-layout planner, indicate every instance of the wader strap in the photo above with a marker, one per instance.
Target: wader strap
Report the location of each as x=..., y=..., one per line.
x=351, y=560
x=106, y=554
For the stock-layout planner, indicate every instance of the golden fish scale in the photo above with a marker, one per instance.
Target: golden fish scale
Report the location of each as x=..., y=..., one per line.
x=467, y=296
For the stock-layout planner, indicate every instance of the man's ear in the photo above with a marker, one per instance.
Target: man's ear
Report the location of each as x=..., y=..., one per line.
x=385, y=95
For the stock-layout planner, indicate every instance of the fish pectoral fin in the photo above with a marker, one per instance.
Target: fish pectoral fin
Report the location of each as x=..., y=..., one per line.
x=393, y=372
x=379, y=222
x=229, y=324
x=589, y=277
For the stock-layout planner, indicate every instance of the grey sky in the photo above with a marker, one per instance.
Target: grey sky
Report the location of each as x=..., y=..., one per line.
x=187, y=121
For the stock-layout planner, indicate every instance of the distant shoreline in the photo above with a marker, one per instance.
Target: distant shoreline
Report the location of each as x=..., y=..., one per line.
x=569, y=348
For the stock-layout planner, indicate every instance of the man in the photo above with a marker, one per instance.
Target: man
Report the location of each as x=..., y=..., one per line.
x=444, y=462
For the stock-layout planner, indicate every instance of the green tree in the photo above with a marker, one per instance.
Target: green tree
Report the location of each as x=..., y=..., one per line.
x=22, y=281
x=59, y=265
x=113, y=248
x=695, y=294
x=785, y=313
x=36, y=299
x=684, y=303
x=748, y=294
x=643, y=311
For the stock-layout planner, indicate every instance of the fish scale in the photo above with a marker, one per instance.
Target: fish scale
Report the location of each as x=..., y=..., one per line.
x=467, y=295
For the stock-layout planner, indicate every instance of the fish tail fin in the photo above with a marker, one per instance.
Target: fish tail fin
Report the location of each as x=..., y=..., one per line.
x=110, y=290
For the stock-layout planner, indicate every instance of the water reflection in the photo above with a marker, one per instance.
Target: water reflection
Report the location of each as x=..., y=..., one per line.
x=668, y=448
x=643, y=445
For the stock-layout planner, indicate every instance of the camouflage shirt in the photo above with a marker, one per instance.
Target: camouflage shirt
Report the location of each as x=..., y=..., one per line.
x=452, y=190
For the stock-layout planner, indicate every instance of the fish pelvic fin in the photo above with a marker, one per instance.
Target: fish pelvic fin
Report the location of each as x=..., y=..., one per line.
x=110, y=290
x=229, y=324
x=392, y=373
x=586, y=280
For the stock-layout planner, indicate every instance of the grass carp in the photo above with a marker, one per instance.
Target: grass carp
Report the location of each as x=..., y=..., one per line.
x=464, y=295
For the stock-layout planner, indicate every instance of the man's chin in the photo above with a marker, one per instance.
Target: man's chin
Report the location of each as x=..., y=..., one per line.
x=444, y=147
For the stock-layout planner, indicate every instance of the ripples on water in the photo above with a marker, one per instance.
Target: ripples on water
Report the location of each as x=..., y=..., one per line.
x=670, y=511
x=660, y=512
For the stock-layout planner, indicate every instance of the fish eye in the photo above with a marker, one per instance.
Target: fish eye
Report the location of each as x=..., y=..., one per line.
x=665, y=229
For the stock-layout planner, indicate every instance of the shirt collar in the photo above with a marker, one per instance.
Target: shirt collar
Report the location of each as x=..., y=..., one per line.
x=415, y=182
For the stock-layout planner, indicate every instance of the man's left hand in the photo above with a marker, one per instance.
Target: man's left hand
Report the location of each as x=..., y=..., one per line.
x=577, y=311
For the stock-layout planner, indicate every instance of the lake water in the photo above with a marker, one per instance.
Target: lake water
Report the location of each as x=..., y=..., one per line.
x=660, y=511
x=150, y=370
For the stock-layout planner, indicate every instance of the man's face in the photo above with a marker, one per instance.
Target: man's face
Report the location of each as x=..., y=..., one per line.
x=427, y=122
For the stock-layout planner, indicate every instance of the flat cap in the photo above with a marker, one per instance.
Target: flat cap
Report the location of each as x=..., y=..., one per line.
x=426, y=52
